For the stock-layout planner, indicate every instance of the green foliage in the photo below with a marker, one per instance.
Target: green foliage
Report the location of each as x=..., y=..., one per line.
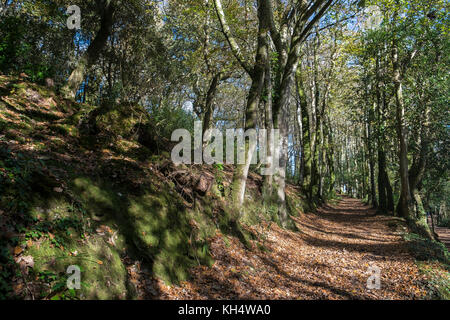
x=17, y=173
x=103, y=274
x=424, y=249
x=7, y=271
x=19, y=48
x=438, y=280
x=154, y=222
x=63, y=229
x=445, y=223
x=166, y=119
x=433, y=259
x=219, y=175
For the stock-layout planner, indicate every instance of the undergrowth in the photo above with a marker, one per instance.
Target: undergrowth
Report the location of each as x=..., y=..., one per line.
x=99, y=203
x=433, y=259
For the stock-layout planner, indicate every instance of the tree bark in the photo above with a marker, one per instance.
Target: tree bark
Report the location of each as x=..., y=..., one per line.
x=91, y=55
x=209, y=103
x=405, y=204
x=256, y=73
x=268, y=178
x=306, y=135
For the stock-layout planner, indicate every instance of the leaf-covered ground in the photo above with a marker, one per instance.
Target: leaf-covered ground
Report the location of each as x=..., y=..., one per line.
x=107, y=204
x=328, y=259
x=443, y=234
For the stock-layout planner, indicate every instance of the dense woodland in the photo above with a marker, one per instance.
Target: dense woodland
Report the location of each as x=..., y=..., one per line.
x=359, y=91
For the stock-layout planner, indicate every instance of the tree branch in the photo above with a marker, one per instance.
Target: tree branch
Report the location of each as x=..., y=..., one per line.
x=230, y=39
x=299, y=39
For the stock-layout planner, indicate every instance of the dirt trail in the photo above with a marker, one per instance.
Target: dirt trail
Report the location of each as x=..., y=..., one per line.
x=442, y=233
x=328, y=258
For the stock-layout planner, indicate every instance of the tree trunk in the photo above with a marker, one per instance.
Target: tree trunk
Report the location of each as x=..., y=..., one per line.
x=280, y=175
x=92, y=53
x=416, y=174
x=306, y=142
x=315, y=125
x=268, y=177
x=208, y=109
x=405, y=206
x=385, y=193
x=299, y=128
x=382, y=187
x=373, y=194
x=321, y=163
x=257, y=75
x=330, y=156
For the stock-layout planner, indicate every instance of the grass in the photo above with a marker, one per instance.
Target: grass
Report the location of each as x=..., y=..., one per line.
x=103, y=274
x=433, y=259
x=424, y=249
x=439, y=280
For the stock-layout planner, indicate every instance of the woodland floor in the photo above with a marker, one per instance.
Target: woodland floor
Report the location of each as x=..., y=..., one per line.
x=443, y=234
x=328, y=258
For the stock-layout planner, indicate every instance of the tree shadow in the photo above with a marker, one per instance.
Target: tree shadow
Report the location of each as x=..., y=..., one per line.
x=150, y=217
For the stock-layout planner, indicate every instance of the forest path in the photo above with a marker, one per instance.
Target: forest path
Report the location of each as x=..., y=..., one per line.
x=328, y=258
x=442, y=233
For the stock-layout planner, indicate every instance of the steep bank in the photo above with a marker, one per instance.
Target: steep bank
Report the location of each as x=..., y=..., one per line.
x=139, y=227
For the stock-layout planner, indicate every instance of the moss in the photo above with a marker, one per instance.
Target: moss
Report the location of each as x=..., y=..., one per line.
x=97, y=200
x=106, y=280
x=206, y=228
x=424, y=249
x=438, y=285
x=122, y=119
x=59, y=242
x=156, y=225
x=164, y=234
x=20, y=87
x=420, y=226
x=103, y=275
x=253, y=213
x=81, y=111
x=60, y=129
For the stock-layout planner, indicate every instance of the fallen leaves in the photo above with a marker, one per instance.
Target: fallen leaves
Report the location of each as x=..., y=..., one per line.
x=329, y=259
x=25, y=262
x=74, y=253
x=18, y=250
x=102, y=230
x=112, y=240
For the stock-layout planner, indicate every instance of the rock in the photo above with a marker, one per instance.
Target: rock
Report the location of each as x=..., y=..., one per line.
x=25, y=263
x=33, y=95
x=146, y=136
x=204, y=184
x=50, y=83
